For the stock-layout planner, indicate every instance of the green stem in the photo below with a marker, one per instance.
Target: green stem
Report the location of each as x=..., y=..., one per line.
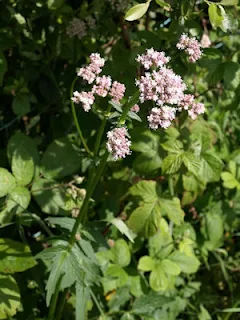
x=97, y=303
x=76, y=119
x=91, y=187
x=61, y=304
x=54, y=301
x=133, y=100
x=101, y=130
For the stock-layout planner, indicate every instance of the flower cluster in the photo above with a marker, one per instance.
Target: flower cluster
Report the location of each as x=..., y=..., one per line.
x=78, y=27
x=118, y=144
x=102, y=85
x=166, y=89
x=191, y=46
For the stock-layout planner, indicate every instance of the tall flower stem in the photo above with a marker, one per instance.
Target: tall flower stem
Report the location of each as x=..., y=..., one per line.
x=132, y=101
x=76, y=119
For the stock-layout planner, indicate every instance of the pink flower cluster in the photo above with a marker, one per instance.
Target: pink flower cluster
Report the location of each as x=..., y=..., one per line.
x=191, y=46
x=90, y=72
x=118, y=144
x=162, y=86
x=102, y=87
x=161, y=117
x=135, y=108
x=152, y=58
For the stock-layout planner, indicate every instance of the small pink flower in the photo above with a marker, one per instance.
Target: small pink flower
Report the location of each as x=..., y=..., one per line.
x=117, y=91
x=191, y=46
x=152, y=58
x=161, y=117
x=86, y=98
x=135, y=108
x=102, y=86
x=118, y=144
x=197, y=108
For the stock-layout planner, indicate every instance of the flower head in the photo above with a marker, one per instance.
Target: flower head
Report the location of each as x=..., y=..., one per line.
x=86, y=98
x=191, y=46
x=117, y=91
x=135, y=108
x=118, y=144
x=197, y=108
x=102, y=86
x=90, y=72
x=161, y=117
x=77, y=28
x=152, y=58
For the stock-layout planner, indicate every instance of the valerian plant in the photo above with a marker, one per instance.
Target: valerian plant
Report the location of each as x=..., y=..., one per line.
x=119, y=167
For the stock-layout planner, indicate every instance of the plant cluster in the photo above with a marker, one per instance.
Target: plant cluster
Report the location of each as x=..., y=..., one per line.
x=119, y=160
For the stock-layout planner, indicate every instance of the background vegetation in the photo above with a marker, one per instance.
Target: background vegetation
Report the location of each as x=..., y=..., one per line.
x=160, y=239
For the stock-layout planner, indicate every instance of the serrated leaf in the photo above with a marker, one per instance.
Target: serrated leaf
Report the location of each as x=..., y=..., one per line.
x=137, y=11
x=10, y=299
x=192, y=162
x=15, y=256
x=146, y=263
x=172, y=163
x=8, y=182
x=147, y=190
x=22, y=166
x=145, y=219
x=172, y=208
x=211, y=167
x=123, y=228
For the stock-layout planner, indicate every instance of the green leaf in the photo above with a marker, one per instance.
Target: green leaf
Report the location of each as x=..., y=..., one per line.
x=54, y=4
x=145, y=219
x=211, y=167
x=146, y=263
x=121, y=253
x=18, y=199
x=213, y=230
x=10, y=299
x=60, y=159
x=20, y=19
x=172, y=163
x=147, y=190
x=204, y=315
x=82, y=295
x=187, y=264
x=163, y=4
x=21, y=105
x=22, y=166
x=229, y=2
x=192, y=162
x=50, y=196
x=215, y=15
x=64, y=222
x=137, y=11
x=158, y=279
x=172, y=208
x=3, y=67
x=229, y=180
x=15, y=256
x=8, y=182
x=123, y=228
x=170, y=267
x=231, y=75
x=147, y=304
x=23, y=144
x=118, y=272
